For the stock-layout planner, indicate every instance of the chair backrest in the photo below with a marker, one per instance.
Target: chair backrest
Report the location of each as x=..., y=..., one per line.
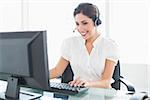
x=67, y=76
x=116, y=76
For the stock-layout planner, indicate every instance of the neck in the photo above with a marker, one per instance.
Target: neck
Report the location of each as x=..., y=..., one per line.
x=93, y=38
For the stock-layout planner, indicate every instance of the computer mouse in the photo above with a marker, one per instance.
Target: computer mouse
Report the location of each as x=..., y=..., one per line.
x=139, y=96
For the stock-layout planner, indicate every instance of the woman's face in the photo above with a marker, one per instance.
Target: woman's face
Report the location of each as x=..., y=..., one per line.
x=85, y=26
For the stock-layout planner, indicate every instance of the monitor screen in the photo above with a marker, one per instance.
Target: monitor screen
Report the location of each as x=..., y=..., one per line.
x=24, y=60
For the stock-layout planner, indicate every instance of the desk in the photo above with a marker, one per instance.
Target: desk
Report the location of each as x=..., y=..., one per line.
x=91, y=94
x=102, y=94
x=96, y=94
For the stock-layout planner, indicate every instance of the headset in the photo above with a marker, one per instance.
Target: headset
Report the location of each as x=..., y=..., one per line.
x=96, y=18
x=74, y=30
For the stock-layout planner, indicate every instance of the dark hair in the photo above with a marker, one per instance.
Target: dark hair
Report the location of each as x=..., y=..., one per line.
x=89, y=10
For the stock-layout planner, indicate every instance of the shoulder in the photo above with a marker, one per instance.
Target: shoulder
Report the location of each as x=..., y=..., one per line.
x=111, y=49
x=109, y=43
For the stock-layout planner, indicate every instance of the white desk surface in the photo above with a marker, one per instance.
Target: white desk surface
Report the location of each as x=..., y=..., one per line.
x=91, y=94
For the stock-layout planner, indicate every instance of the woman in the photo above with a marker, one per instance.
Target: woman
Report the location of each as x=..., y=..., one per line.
x=92, y=57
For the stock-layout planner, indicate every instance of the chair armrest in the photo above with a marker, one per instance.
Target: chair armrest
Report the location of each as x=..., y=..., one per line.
x=128, y=84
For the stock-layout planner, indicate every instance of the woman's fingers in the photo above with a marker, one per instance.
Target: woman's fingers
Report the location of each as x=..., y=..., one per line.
x=78, y=82
x=81, y=83
x=72, y=83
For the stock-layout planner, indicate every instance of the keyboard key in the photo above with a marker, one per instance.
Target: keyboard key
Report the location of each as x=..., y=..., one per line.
x=64, y=88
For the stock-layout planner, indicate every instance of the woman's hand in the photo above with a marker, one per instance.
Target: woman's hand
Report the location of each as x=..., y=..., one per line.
x=79, y=82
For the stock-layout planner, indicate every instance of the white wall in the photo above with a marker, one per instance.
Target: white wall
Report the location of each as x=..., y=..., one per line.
x=10, y=15
x=129, y=27
x=136, y=74
x=148, y=2
x=149, y=78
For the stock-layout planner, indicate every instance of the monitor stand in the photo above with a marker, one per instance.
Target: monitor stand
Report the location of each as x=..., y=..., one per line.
x=13, y=91
x=23, y=95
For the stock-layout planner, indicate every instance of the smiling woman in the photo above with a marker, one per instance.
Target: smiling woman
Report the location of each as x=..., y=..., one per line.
x=87, y=17
x=88, y=53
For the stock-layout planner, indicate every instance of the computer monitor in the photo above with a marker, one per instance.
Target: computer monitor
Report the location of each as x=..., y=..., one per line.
x=23, y=61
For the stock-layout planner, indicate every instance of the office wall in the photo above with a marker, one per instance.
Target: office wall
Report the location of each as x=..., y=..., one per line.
x=129, y=28
x=138, y=74
x=149, y=78
x=10, y=15
x=148, y=2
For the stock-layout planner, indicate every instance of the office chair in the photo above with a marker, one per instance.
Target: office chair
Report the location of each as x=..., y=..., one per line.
x=67, y=76
x=119, y=79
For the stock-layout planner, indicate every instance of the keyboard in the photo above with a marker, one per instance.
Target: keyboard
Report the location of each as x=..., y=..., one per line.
x=66, y=89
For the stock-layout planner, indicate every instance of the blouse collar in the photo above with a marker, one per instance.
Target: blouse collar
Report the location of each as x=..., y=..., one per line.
x=95, y=42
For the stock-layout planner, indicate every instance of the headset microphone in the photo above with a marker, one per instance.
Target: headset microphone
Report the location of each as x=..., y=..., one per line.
x=74, y=30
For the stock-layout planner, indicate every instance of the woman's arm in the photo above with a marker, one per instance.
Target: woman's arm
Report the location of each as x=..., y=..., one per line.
x=104, y=82
x=59, y=69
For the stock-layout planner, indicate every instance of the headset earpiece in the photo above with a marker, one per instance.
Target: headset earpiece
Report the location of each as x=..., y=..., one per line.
x=97, y=20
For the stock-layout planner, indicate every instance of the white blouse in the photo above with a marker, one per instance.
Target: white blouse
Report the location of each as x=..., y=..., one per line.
x=89, y=66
